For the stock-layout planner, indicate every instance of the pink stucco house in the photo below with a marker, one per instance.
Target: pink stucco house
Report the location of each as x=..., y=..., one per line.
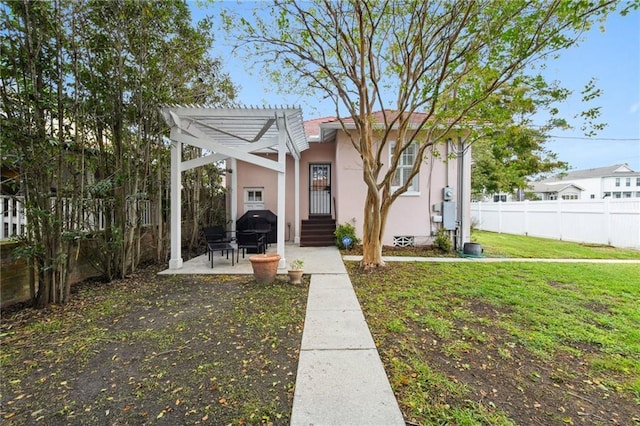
x=306, y=176
x=331, y=190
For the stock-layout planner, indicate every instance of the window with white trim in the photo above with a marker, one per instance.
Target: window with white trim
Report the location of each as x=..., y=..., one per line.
x=407, y=158
x=253, y=195
x=570, y=196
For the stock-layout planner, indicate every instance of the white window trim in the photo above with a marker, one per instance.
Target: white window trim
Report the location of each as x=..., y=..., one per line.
x=254, y=189
x=410, y=192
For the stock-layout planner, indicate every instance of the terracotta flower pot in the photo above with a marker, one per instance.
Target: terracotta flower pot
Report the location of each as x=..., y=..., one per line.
x=265, y=267
x=295, y=276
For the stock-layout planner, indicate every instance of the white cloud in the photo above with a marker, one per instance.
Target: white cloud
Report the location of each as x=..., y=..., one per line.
x=634, y=108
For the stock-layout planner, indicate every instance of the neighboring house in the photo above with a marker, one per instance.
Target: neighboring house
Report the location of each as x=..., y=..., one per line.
x=558, y=191
x=617, y=181
x=332, y=187
x=306, y=176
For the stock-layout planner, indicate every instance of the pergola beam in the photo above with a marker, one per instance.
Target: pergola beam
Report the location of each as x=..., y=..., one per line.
x=225, y=151
x=211, y=158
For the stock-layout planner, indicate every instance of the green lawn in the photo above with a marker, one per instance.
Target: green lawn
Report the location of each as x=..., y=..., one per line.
x=506, y=245
x=506, y=343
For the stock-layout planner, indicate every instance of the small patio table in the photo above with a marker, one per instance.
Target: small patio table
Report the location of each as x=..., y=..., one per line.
x=223, y=247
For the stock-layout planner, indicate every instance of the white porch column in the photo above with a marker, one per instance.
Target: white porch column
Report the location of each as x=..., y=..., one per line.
x=233, y=189
x=282, y=160
x=176, y=203
x=296, y=177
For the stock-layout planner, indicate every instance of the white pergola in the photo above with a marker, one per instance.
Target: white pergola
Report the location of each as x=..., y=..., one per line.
x=234, y=134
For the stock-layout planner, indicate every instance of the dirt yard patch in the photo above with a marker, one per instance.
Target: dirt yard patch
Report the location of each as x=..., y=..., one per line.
x=156, y=349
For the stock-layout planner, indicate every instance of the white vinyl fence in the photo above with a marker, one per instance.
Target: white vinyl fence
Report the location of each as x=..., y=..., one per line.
x=14, y=222
x=607, y=221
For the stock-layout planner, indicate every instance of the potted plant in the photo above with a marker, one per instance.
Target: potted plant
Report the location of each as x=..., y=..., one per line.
x=295, y=271
x=265, y=267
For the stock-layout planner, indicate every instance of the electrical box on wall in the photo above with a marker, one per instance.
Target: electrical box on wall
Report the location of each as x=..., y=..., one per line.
x=449, y=215
x=447, y=193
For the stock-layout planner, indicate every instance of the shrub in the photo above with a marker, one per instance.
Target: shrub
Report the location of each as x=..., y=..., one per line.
x=346, y=230
x=442, y=240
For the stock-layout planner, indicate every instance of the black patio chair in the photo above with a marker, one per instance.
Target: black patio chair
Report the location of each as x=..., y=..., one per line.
x=262, y=226
x=215, y=235
x=249, y=240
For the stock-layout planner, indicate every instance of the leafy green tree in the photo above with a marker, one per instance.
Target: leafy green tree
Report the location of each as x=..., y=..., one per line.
x=35, y=137
x=440, y=58
x=509, y=150
x=154, y=56
x=504, y=163
x=81, y=85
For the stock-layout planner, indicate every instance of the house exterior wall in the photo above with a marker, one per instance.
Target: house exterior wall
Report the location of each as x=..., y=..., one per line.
x=411, y=214
x=252, y=176
x=627, y=186
x=620, y=183
x=570, y=193
x=591, y=186
x=598, y=187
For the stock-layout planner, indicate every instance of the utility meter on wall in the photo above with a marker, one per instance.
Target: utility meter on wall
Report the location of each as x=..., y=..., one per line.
x=447, y=193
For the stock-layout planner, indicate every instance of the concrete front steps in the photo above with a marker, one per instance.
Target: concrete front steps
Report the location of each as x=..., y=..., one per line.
x=318, y=231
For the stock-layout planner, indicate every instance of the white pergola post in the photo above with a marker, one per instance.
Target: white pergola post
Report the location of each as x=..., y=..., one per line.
x=296, y=177
x=282, y=160
x=176, y=201
x=233, y=189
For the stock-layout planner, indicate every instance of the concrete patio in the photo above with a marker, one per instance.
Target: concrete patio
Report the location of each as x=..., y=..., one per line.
x=317, y=260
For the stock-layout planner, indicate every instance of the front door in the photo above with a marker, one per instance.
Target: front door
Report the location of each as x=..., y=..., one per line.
x=320, y=189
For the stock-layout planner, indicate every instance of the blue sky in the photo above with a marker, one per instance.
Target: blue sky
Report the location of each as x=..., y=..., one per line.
x=611, y=57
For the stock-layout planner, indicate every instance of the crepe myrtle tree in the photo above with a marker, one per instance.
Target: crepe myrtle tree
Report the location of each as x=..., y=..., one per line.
x=441, y=59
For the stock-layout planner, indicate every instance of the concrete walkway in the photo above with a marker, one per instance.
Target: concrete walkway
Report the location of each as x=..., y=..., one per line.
x=341, y=379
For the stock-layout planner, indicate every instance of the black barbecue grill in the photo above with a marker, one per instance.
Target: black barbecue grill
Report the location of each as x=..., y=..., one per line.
x=263, y=221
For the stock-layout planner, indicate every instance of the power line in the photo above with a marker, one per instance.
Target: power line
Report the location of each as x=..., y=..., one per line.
x=595, y=139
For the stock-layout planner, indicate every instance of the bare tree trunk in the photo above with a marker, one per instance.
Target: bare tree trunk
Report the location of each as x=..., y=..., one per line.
x=371, y=232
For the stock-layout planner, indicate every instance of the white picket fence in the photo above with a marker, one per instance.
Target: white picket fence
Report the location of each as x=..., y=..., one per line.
x=607, y=221
x=14, y=220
